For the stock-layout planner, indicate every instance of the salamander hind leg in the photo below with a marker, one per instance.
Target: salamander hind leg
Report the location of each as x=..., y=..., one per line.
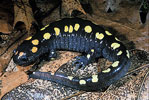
x=83, y=60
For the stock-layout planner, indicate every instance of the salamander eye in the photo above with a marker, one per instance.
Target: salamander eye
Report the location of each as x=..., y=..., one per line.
x=24, y=58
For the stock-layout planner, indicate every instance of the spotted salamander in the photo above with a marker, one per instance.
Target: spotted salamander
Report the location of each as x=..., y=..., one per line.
x=75, y=34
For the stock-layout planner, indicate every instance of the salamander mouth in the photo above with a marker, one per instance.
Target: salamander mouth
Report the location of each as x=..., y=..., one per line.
x=25, y=61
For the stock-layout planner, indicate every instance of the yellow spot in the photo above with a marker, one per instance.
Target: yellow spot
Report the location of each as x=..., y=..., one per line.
x=115, y=64
x=108, y=33
x=107, y=70
x=92, y=50
x=117, y=39
x=115, y=45
x=94, y=78
x=88, y=56
x=34, y=49
x=66, y=29
x=57, y=31
x=82, y=82
x=47, y=36
x=52, y=59
x=16, y=53
x=21, y=54
x=44, y=27
x=35, y=42
x=76, y=27
x=70, y=29
x=99, y=36
x=119, y=53
x=70, y=77
x=127, y=53
x=88, y=29
x=29, y=38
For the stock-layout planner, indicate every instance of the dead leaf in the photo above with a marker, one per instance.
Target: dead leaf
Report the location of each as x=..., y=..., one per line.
x=4, y=61
x=7, y=51
x=11, y=81
x=23, y=13
x=20, y=68
x=64, y=57
x=5, y=27
x=69, y=6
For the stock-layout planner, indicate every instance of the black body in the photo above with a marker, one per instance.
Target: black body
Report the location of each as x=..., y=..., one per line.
x=75, y=34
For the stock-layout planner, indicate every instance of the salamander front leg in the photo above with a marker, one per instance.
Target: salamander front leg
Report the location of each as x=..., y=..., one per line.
x=83, y=60
x=51, y=55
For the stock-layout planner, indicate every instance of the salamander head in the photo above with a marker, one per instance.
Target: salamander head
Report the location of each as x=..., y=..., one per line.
x=28, y=52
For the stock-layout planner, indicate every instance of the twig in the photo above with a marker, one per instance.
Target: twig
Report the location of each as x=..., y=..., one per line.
x=107, y=90
x=76, y=94
x=132, y=71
